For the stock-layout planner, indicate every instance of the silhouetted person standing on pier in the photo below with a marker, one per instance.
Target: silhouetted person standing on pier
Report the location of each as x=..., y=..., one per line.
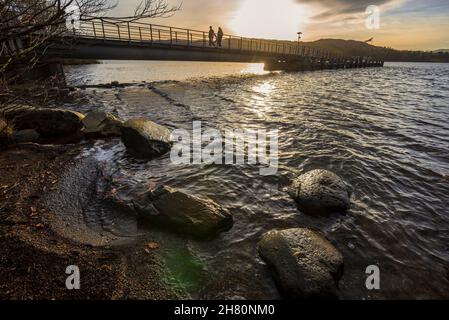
x=211, y=37
x=219, y=37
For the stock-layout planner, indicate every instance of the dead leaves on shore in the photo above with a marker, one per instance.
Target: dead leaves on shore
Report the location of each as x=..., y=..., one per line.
x=6, y=188
x=33, y=212
x=151, y=246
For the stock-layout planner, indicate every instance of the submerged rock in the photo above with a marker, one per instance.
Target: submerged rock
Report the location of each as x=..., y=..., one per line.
x=321, y=192
x=99, y=123
x=146, y=139
x=183, y=213
x=49, y=122
x=23, y=136
x=304, y=264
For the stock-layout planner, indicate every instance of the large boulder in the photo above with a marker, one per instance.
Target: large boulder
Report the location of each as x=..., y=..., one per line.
x=183, y=213
x=101, y=124
x=23, y=136
x=304, y=264
x=146, y=139
x=321, y=192
x=49, y=122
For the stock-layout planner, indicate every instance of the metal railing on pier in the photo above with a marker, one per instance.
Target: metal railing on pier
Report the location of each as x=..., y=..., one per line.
x=137, y=32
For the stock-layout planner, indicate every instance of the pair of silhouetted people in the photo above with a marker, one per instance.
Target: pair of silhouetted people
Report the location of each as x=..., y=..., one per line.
x=212, y=37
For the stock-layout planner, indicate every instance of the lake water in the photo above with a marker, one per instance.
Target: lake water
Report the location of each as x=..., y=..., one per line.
x=138, y=71
x=384, y=130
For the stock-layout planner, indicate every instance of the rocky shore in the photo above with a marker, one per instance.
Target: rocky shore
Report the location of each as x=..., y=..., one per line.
x=39, y=150
x=34, y=257
x=40, y=147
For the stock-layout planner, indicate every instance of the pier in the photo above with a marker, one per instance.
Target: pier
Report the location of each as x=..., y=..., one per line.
x=107, y=39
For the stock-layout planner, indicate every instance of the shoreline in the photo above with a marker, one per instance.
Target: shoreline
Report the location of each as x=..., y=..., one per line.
x=36, y=252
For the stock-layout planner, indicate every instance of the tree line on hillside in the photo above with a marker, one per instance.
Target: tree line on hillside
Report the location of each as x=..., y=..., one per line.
x=358, y=48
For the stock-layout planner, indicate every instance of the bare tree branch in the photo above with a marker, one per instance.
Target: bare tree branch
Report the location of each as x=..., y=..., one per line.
x=146, y=9
x=27, y=26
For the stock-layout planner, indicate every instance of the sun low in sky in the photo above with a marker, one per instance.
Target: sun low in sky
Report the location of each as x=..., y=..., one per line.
x=280, y=19
x=404, y=24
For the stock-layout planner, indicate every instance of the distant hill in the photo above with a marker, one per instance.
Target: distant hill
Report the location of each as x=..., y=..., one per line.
x=440, y=51
x=358, y=48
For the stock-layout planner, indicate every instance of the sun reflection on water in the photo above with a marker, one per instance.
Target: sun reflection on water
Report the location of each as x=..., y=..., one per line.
x=261, y=97
x=264, y=88
x=255, y=68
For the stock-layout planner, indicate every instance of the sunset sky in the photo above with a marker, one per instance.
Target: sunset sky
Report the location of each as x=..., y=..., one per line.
x=404, y=24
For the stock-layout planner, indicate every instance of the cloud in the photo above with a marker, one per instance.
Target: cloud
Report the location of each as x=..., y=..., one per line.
x=404, y=23
x=194, y=14
x=338, y=8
